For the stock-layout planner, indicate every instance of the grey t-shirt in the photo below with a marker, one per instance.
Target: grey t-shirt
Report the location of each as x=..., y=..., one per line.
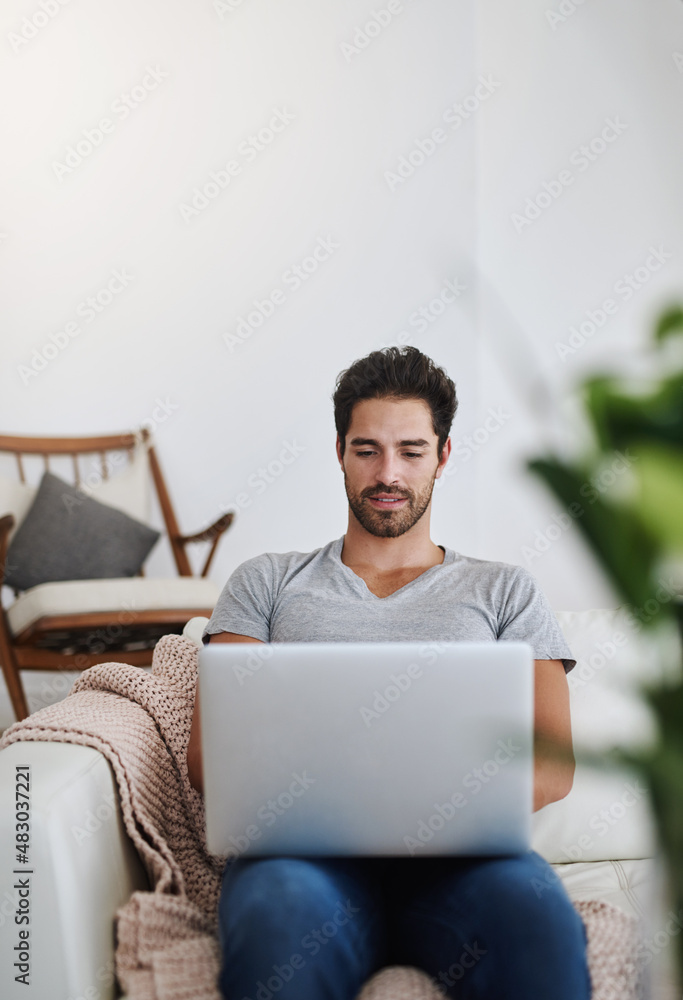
x=314, y=597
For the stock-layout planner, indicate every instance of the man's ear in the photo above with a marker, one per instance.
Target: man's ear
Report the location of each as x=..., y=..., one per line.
x=445, y=455
x=339, y=454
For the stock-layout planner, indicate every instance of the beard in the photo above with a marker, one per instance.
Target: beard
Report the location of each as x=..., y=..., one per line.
x=389, y=523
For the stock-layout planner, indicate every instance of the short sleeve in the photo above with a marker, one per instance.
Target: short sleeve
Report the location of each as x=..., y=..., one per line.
x=246, y=601
x=527, y=617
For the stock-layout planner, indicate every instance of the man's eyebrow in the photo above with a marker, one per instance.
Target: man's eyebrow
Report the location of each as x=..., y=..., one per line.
x=418, y=443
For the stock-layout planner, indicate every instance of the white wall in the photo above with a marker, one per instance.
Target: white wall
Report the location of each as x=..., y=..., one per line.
x=564, y=75
x=219, y=74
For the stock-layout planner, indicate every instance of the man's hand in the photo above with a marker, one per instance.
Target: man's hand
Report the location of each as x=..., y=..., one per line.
x=194, y=747
x=553, y=755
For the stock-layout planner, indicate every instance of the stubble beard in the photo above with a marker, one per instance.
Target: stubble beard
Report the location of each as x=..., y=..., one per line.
x=389, y=523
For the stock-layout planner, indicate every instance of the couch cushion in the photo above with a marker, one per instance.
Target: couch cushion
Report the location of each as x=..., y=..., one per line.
x=607, y=814
x=127, y=594
x=67, y=535
x=632, y=886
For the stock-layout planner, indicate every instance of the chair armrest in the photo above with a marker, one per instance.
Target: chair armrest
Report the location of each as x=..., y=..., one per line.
x=214, y=532
x=217, y=528
x=82, y=867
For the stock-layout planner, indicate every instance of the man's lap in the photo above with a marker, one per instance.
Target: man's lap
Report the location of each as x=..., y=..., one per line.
x=458, y=919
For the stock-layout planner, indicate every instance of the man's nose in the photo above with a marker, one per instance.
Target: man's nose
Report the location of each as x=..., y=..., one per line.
x=387, y=471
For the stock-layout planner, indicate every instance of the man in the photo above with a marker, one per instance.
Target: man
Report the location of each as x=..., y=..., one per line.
x=317, y=928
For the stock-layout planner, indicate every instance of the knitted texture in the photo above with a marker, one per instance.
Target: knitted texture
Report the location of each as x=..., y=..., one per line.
x=166, y=939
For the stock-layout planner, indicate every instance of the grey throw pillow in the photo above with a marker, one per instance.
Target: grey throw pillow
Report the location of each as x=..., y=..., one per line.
x=67, y=535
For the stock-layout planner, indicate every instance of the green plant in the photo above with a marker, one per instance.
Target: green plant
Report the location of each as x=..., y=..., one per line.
x=633, y=531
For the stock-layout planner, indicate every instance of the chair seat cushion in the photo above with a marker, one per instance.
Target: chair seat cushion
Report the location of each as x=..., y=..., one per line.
x=125, y=594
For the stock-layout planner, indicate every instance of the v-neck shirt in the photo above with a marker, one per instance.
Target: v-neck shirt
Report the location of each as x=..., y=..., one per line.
x=315, y=597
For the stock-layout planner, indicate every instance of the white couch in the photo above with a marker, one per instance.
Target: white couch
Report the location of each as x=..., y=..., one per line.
x=600, y=839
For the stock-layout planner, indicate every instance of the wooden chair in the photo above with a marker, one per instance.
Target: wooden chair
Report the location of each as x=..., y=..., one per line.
x=47, y=633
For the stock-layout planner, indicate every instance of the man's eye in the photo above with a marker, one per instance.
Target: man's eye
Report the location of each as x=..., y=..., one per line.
x=362, y=454
x=413, y=454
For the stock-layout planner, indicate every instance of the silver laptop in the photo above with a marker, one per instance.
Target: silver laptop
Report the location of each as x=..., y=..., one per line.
x=367, y=748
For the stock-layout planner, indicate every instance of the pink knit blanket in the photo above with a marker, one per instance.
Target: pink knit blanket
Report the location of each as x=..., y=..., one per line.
x=167, y=947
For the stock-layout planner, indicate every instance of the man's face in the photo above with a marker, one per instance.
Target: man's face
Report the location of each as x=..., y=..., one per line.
x=390, y=464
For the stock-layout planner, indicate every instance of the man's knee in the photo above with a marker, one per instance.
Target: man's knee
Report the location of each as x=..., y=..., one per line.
x=289, y=891
x=524, y=884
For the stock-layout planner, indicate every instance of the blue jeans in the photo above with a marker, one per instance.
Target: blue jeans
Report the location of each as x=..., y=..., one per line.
x=317, y=928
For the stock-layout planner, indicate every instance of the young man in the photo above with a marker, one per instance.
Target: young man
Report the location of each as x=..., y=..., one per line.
x=316, y=929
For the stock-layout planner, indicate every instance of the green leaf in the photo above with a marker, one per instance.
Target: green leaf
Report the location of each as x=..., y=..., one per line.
x=623, y=546
x=622, y=419
x=658, y=469
x=670, y=322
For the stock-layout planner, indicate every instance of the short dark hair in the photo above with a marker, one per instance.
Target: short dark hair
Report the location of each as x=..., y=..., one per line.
x=396, y=373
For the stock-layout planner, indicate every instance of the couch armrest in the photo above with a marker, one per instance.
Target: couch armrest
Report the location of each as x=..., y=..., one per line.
x=82, y=867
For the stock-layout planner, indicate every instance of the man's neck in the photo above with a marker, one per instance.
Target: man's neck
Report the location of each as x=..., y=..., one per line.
x=387, y=555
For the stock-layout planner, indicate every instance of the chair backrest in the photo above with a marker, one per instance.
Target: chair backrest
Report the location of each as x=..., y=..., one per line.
x=114, y=469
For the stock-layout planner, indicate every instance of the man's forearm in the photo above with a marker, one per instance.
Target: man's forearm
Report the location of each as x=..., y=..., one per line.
x=553, y=776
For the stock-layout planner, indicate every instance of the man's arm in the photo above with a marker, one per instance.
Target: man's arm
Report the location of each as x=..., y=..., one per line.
x=553, y=755
x=194, y=747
